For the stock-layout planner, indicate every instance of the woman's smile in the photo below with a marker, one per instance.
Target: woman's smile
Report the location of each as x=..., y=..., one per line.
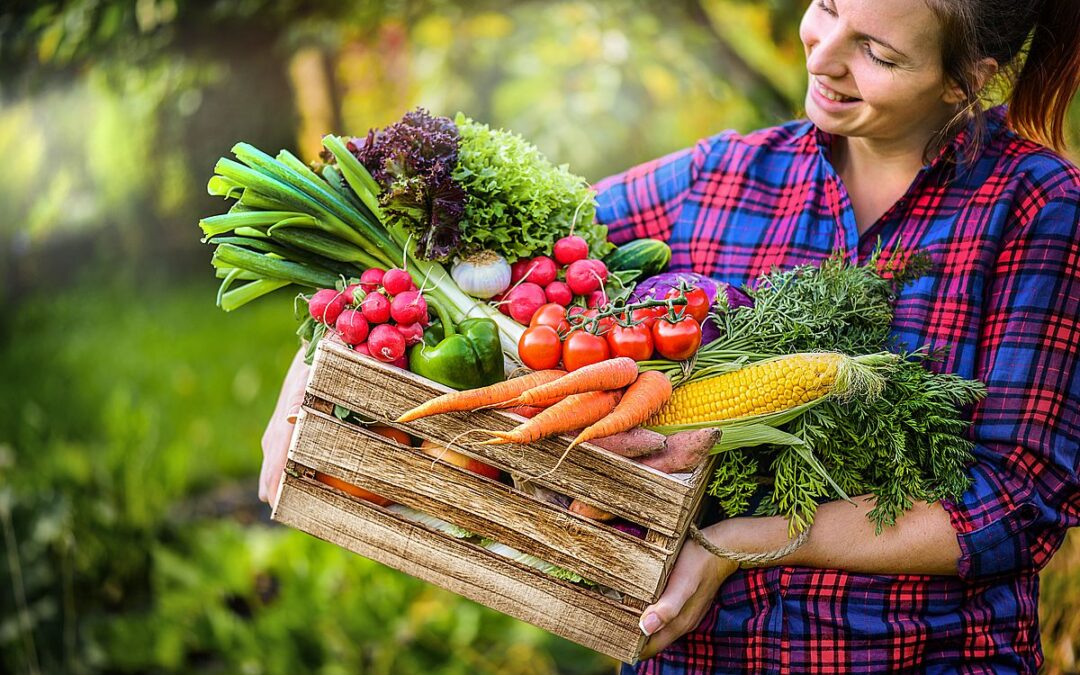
x=829, y=99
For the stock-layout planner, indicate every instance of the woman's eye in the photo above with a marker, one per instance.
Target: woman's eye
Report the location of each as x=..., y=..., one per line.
x=825, y=8
x=881, y=62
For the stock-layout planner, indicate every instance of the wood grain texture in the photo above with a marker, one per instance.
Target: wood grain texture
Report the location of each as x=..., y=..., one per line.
x=480, y=505
x=612, y=483
x=579, y=615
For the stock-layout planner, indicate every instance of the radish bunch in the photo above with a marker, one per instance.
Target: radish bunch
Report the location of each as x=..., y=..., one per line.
x=568, y=275
x=380, y=316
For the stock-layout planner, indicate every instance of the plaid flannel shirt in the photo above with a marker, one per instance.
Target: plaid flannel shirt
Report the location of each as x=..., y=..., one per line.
x=1003, y=229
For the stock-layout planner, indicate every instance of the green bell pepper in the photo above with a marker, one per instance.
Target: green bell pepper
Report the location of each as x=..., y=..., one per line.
x=469, y=358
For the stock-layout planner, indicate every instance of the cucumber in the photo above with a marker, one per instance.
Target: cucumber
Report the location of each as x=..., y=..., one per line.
x=647, y=257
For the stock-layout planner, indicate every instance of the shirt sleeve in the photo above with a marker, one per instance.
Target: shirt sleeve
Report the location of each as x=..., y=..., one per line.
x=645, y=201
x=1027, y=430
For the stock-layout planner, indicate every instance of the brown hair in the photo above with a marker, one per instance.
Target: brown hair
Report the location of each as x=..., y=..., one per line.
x=1036, y=44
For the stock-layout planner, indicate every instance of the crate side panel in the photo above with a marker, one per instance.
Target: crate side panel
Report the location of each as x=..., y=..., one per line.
x=480, y=505
x=613, y=483
x=528, y=595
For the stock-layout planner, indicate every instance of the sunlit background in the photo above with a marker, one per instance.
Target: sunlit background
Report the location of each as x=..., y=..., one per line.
x=132, y=407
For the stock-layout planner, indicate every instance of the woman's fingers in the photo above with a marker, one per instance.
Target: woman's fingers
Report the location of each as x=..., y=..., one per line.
x=689, y=593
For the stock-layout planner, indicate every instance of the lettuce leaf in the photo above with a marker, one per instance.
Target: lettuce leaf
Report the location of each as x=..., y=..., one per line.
x=519, y=202
x=412, y=161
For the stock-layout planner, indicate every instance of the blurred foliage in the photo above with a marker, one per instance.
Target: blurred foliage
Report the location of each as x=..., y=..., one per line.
x=128, y=455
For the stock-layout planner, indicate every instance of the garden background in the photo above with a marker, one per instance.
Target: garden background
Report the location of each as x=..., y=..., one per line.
x=131, y=539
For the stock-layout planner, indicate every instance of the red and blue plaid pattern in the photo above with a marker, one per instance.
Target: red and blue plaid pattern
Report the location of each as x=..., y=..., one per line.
x=1003, y=229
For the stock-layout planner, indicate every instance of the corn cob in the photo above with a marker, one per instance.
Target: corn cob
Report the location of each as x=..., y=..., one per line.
x=770, y=386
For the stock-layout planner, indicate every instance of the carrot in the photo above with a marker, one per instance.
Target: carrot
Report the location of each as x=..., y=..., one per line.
x=573, y=412
x=471, y=399
x=513, y=403
x=643, y=398
x=611, y=374
x=589, y=511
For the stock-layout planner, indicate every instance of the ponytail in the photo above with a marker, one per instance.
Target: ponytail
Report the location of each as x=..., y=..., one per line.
x=975, y=30
x=1050, y=76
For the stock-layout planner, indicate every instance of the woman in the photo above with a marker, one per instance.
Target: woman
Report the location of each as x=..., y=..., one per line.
x=895, y=149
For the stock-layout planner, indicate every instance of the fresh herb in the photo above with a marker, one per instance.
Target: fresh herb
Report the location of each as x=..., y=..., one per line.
x=904, y=444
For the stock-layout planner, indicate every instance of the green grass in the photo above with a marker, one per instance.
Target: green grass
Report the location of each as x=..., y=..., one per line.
x=125, y=406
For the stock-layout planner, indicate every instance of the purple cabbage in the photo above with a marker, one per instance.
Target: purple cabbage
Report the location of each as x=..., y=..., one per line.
x=413, y=161
x=730, y=297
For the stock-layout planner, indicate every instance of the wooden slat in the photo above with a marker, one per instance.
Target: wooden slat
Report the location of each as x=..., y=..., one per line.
x=576, y=614
x=621, y=486
x=480, y=505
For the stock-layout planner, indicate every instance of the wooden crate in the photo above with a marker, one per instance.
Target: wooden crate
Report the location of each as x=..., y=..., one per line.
x=636, y=568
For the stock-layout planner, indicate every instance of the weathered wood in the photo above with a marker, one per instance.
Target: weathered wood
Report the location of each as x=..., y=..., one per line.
x=577, y=614
x=486, y=507
x=615, y=484
x=637, y=568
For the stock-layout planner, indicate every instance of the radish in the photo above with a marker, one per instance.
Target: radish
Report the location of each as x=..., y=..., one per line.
x=500, y=303
x=371, y=279
x=376, y=308
x=558, y=292
x=362, y=349
x=596, y=299
x=353, y=327
x=570, y=249
x=582, y=277
x=412, y=332
x=600, y=268
x=396, y=281
x=543, y=270
x=524, y=300
x=408, y=307
x=386, y=343
x=401, y=361
x=519, y=270
x=326, y=305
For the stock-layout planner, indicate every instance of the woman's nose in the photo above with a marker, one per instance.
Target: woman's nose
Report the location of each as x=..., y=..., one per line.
x=825, y=56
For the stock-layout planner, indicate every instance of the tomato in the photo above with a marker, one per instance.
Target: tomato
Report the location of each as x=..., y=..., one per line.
x=602, y=326
x=635, y=342
x=552, y=314
x=647, y=315
x=581, y=349
x=352, y=489
x=697, y=303
x=540, y=347
x=677, y=340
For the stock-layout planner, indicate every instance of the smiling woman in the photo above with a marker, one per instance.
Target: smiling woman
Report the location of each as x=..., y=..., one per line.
x=897, y=152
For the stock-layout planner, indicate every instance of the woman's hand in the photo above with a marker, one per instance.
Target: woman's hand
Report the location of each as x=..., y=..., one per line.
x=690, y=591
x=278, y=434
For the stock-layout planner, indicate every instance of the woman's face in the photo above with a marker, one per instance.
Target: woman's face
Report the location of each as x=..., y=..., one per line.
x=875, y=70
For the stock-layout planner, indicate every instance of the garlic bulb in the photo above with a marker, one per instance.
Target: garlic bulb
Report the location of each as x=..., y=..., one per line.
x=482, y=274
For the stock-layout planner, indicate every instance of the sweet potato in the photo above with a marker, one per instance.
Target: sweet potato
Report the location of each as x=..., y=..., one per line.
x=683, y=451
x=633, y=443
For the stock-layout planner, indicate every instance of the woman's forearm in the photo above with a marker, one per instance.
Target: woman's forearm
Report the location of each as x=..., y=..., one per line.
x=922, y=542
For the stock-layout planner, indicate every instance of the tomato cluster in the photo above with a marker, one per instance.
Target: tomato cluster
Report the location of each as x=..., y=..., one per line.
x=579, y=336
x=380, y=316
